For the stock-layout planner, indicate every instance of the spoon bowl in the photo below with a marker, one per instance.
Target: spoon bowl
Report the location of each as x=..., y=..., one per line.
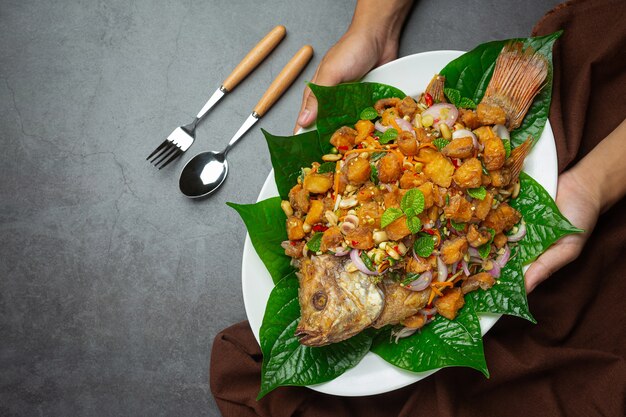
x=203, y=174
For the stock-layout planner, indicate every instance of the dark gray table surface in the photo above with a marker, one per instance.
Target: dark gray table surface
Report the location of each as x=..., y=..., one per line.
x=112, y=284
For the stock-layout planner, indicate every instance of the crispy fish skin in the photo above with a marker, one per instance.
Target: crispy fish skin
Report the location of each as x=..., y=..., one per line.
x=400, y=303
x=334, y=304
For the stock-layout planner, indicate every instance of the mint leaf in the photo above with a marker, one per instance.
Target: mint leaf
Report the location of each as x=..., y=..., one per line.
x=453, y=95
x=368, y=113
x=440, y=143
x=327, y=167
x=374, y=174
x=390, y=135
x=424, y=246
x=466, y=103
x=457, y=226
x=479, y=193
x=485, y=249
x=314, y=244
x=413, y=199
x=389, y=216
x=507, y=148
x=377, y=155
x=414, y=224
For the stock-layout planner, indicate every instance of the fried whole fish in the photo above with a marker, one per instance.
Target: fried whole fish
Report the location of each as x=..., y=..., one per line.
x=400, y=303
x=335, y=304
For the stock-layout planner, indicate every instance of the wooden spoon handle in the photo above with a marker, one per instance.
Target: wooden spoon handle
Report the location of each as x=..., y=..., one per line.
x=286, y=77
x=254, y=57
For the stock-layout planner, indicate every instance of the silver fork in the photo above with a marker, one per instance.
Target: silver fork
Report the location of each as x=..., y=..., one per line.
x=182, y=137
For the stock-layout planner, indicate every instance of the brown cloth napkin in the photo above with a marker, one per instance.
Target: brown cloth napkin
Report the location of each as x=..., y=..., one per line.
x=572, y=363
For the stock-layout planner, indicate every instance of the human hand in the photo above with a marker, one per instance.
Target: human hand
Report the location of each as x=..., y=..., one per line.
x=584, y=192
x=578, y=201
x=356, y=53
x=371, y=40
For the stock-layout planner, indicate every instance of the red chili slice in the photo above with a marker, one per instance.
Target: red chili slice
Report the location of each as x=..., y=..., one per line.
x=320, y=228
x=429, y=99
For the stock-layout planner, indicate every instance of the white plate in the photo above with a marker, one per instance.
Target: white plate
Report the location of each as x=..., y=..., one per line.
x=373, y=375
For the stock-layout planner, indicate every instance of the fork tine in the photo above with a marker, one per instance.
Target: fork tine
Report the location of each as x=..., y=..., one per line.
x=176, y=154
x=166, y=154
x=161, y=146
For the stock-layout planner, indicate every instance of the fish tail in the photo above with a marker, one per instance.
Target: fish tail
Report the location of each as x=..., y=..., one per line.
x=435, y=89
x=517, y=78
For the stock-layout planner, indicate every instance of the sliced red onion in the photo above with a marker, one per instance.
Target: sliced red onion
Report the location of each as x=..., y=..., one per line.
x=422, y=282
x=442, y=113
x=402, y=333
x=495, y=271
x=341, y=251
x=285, y=244
x=428, y=311
x=519, y=235
x=454, y=267
x=466, y=270
x=358, y=262
x=464, y=133
x=442, y=270
x=404, y=125
x=504, y=258
x=379, y=126
x=501, y=132
x=474, y=252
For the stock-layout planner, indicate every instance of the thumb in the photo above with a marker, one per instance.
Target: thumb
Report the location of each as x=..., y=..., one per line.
x=308, y=110
x=556, y=257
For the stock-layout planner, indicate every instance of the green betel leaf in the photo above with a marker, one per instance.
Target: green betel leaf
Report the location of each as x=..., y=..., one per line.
x=440, y=344
x=470, y=74
x=389, y=216
x=544, y=222
x=289, y=154
x=508, y=295
x=341, y=105
x=285, y=360
x=413, y=199
x=265, y=222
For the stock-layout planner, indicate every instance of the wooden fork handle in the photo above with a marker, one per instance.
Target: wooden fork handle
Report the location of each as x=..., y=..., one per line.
x=254, y=57
x=286, y=77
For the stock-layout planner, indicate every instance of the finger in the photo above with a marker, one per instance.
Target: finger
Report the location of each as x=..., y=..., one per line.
x=325, y=75
x=551, y=261
x=305, y=98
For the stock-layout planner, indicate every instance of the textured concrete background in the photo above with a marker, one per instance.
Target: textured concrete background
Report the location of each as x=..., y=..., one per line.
x=112, y=284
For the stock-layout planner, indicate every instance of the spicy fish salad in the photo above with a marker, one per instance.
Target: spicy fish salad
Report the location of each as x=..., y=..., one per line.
x=409, y=211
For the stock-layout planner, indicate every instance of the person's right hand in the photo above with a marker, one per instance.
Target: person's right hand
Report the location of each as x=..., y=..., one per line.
x=355, y=54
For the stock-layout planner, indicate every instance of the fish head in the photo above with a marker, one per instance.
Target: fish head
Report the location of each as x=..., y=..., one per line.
x=334, y=304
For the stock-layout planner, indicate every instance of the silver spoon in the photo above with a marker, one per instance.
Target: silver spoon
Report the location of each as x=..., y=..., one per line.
x=205, y=172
